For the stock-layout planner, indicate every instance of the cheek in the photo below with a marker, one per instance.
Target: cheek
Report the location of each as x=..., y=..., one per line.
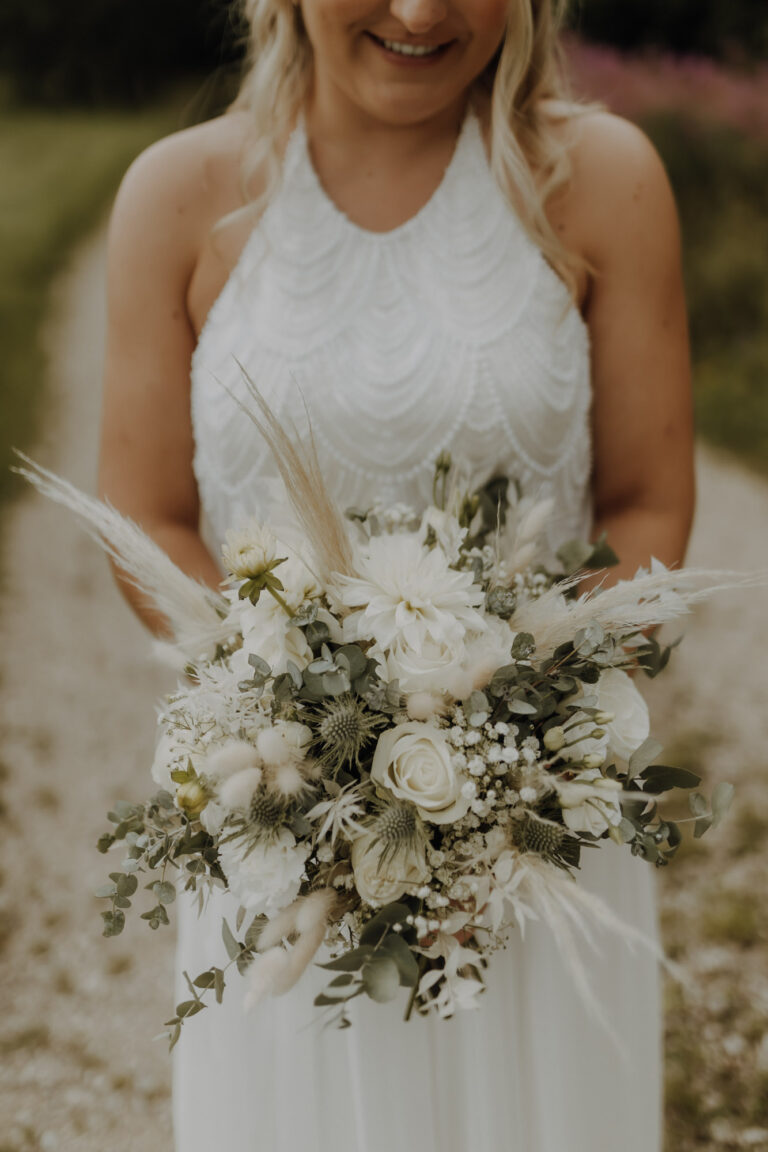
x=335, y=17
x=489, y=19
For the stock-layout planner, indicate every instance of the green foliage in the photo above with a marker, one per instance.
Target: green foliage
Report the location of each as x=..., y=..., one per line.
x=46, y=203
x=732, y=28
x=719, y=178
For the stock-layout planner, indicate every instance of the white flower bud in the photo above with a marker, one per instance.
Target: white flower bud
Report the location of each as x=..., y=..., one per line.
x=191, y=798
x=554, y=739
x=594, y=759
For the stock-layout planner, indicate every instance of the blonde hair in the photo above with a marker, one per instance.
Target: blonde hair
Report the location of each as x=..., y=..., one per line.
x=526, y=83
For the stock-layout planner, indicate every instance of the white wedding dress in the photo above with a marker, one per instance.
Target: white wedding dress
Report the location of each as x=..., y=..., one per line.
x=449, y=332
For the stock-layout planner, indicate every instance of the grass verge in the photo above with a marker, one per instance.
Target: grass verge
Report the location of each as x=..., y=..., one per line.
x=60, y=168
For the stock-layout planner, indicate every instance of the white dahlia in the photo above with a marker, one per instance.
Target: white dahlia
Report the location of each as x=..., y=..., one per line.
x=407, y=594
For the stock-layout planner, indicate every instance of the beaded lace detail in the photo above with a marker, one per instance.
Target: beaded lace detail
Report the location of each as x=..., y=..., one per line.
x=450, y=332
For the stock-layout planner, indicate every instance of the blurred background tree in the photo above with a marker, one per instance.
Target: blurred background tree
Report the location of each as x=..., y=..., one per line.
x=111, y=51
x=731, y=29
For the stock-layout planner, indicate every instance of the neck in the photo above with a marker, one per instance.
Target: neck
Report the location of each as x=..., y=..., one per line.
x=333, y=119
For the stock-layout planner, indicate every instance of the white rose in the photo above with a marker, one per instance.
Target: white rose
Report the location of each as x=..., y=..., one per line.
x=590, y=802
x=630, y=726
x=426, y=668
x=378, y=886
x=268, y=877
x=413, y=760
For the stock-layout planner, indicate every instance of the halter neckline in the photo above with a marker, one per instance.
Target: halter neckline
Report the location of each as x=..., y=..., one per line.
x=298, y=145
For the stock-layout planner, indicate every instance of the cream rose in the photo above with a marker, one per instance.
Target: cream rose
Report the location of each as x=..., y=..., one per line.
x=378, y=886
x=590, y=802
x=413, y=761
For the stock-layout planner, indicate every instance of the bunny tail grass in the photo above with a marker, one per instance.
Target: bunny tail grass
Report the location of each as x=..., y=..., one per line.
x=302, y=476
x=194, y=612
x=629, y=606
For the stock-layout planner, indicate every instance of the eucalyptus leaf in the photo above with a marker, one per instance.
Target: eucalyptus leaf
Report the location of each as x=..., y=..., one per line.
x=218, y=984
x=662, y=777
x=644, y=756
x=381, y=978
x=522, y=707
x=722, y=798
x=376, y=928
x=230, y=943
x=574, y=554
x=698, y=804
x=407, y=964
x=127, y=885
x=189, y=1008
x=701, y=826
x=205, y=979
x=165, y=892
x=351, y=961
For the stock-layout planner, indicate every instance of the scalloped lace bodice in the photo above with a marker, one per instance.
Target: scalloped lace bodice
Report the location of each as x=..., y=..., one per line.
x=450, y=332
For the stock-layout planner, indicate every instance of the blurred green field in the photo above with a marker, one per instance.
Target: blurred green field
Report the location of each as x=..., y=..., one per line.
x=720, y=178
x=59, y=171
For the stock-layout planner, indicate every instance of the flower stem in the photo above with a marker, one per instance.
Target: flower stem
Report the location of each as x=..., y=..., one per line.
x=423, y=965
x=281, y=601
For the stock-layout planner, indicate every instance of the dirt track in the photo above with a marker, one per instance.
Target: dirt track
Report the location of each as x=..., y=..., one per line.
x=78, y=1068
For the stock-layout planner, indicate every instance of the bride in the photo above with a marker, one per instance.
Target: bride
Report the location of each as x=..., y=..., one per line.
x=405, y=222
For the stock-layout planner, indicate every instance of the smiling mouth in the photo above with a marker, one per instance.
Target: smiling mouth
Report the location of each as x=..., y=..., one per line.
x=413, y=51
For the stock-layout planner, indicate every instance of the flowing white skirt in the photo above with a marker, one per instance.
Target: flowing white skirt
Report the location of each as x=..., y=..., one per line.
x=529, y=1071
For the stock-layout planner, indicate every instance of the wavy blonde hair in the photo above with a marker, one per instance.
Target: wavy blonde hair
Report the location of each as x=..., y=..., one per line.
x=529, y=99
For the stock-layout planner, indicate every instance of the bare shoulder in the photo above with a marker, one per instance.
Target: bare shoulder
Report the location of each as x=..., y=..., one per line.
x=175, y=190
x=619, y=196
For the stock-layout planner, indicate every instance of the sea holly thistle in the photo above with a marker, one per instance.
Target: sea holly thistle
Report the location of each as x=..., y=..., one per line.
x=344, y=726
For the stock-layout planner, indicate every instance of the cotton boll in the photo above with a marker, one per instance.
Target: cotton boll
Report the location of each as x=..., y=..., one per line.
x=424, y=705
x=232, y=757
x=283, y=743
x=237, y=791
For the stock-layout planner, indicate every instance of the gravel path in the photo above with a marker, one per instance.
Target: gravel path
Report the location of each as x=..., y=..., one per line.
x=78, y=1067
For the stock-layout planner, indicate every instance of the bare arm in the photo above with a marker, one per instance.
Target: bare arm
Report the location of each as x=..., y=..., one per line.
x=146, y=444
x=643, y=485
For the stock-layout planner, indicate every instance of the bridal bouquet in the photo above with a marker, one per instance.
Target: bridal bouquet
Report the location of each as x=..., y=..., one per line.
x=399, y=731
